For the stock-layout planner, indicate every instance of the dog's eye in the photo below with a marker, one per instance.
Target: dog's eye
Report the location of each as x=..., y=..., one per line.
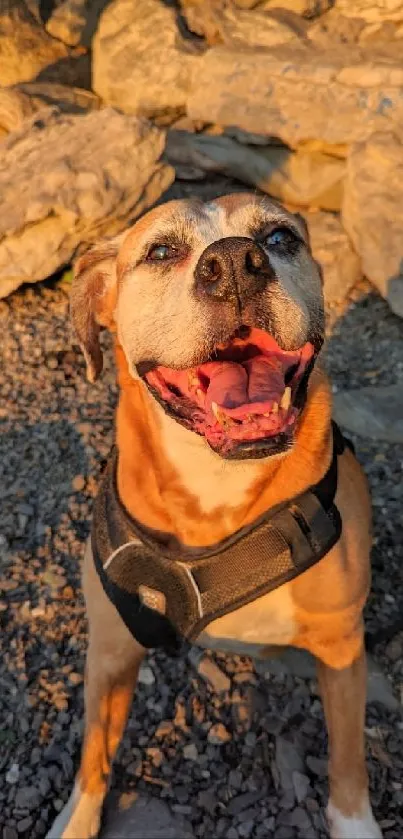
x=281, y=238
x=159, y=253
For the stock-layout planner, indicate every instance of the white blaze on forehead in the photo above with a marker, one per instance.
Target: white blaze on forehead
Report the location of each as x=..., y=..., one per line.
x=212, y=224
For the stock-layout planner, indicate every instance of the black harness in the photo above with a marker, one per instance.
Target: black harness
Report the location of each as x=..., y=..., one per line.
x=167, y=594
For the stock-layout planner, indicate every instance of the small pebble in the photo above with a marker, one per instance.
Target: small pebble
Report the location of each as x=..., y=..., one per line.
x=218, y=734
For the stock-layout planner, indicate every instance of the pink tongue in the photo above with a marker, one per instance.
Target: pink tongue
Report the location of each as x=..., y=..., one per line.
x=228, y=384
x=257, y=380
x=266, y=379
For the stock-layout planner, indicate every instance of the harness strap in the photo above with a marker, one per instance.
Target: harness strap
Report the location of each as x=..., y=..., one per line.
x=197, y=586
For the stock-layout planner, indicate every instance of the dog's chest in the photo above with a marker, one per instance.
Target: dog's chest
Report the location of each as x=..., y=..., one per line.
x=269, y=620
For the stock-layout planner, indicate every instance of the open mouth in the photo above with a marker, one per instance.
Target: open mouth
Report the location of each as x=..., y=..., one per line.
x=245, y=399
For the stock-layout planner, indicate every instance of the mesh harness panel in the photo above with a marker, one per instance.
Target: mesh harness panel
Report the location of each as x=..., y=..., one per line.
x=199, y=585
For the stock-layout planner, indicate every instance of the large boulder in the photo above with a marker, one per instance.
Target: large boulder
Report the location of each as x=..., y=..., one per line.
x=373, y=11
x=66, y=181
x=22, y=101
x=332, y=248
x=373, y=212
x=221, y=22
x=303, y=178
x=141, y=63
x=337, y=96
x=75, y=21
x=25, y=48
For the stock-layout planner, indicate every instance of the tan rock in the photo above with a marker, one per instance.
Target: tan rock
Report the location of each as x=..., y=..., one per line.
x=25, y=48
x=332, y=248
x=22, y=101
x=141, y=63
x=307, y=8
x=204, y=18
x=221, y=22
x=75, y=21
x=373, y=11
x=303, y=178
x=334, y=29
x=373, y=212
x=53, y=176
x=299, y=93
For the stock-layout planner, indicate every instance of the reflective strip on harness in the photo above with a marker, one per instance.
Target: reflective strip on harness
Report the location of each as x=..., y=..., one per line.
x=197, y=586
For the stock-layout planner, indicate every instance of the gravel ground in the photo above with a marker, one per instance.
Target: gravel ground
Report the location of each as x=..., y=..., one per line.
x=223, y=760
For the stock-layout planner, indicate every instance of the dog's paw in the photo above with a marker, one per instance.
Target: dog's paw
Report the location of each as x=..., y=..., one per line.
x=80, y=817
x=352, y=827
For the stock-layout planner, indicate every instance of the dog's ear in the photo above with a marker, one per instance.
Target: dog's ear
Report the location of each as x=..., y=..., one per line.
x=93, y=300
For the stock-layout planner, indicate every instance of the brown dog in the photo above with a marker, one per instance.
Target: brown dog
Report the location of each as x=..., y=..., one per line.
x=218, y=314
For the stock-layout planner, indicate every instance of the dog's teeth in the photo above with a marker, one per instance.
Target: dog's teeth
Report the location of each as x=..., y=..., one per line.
x=274, y=408
x=193, y=381
x=221, y=417
x=286, y=399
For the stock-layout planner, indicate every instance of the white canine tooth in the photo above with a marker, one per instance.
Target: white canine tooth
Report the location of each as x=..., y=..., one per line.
x=221, y=416
x=286, y=399
x=274, y=408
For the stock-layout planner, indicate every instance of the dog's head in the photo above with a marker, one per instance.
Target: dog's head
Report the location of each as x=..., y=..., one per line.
x=218, y=308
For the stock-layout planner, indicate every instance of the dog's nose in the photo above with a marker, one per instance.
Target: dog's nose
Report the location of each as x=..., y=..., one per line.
x=234, y=269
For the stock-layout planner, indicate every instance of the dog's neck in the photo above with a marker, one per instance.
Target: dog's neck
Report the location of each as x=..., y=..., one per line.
x=170, y=479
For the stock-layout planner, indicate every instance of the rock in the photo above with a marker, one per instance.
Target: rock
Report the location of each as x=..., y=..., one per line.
x=317, y=765
x=210, y=672
x=13, y=774
x=333, y=250
x=373, y=212
x=243, y=802
x=288, y=761
x=335, y=29
x=304, y=178
x=75, y=21
x=22, y=101
x=373, y=11
x=224, y=23
x=218, y=734
x=308, y=8
x=293, y=92
x=145, y=819
x=146, y=675
x=379, y=688
x=204, y=18
x=78, y=483
x=300, y=819
x=374, y=412
x=52, y=181
x=141, y=63
x=301, y=785
x=25, y=48
x=27, y=798
x=24, y=824
x=207, y=800
x=394, y=649
x=190, y=752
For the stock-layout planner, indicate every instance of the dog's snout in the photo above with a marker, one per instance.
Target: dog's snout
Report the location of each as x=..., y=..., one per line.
x=233, y=269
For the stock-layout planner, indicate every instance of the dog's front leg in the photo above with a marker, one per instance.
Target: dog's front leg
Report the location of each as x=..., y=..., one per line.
x=108, y=695
x=344, y=695
x=113, y=662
